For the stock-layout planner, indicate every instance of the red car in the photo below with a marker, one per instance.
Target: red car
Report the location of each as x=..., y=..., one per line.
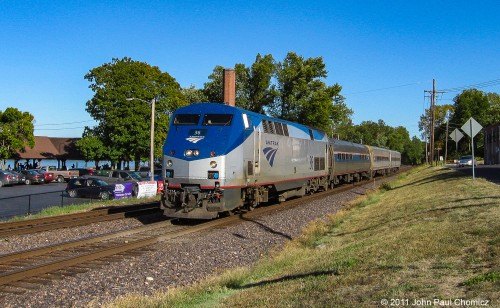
x=48, y=176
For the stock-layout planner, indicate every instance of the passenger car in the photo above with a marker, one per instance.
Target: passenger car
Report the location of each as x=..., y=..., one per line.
x=22, y=177
x=90, y=188
x=466, y=160
x=7, y=178
x=48, y=176
x=33, y=177
x=83, y=171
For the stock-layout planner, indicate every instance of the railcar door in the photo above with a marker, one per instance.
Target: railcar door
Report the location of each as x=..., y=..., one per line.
x=252, y=165
x=331, y=159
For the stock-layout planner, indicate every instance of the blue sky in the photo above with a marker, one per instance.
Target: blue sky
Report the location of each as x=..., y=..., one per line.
x=383, y=53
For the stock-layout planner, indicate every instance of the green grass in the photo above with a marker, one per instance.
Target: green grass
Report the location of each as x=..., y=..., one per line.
x=432, y=233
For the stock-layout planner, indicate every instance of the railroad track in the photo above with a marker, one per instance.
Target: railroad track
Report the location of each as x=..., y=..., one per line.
x=77, y=219
x=25, y=270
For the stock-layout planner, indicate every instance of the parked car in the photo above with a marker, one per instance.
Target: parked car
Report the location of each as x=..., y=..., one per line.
x=145, y=175
x=120, y=176
x=83, y=171
x=7, y=178
x=89, y=187
x=60, y=175
x=466, y=160
x=22, y=177
x=48, y=176
x=33, y=177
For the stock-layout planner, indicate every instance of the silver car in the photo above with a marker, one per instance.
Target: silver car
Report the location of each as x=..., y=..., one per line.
x=466, y=160
x=7, y=178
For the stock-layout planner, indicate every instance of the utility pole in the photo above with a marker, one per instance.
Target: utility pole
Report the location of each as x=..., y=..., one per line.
x=446, y=143
x=433, y=116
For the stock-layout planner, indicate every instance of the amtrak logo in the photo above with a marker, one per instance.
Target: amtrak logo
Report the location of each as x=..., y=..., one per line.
x=270, y=154
x=195, y=139
x=196, y=135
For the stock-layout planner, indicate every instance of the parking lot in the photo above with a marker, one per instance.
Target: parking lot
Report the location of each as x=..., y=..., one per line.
x=23, y=199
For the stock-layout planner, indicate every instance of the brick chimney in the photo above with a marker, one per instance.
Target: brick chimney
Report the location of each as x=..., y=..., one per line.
x=229, y=86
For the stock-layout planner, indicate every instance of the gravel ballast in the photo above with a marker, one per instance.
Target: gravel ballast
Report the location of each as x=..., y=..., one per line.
x=168, y=264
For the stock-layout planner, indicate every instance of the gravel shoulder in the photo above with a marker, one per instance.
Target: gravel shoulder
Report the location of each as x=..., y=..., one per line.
x=168, y=264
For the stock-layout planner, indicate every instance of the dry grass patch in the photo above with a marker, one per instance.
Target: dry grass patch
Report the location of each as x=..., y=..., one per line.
x=432, y=233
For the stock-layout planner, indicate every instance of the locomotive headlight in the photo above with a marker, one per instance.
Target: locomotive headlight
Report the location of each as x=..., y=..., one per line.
x=213, y=164
x=188, y=153
x=169, y=163
x=196, y=152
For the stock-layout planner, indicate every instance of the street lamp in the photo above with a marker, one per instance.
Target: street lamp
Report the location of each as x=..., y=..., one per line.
x=152, y=134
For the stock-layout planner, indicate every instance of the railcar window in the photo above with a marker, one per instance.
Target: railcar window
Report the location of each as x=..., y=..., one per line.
x=187, y=119
x=217, y=119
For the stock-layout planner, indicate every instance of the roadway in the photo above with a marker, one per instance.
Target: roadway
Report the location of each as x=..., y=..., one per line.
x=488, y=172
x=23, y=199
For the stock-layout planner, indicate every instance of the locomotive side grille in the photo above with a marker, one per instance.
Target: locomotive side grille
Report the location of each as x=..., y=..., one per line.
x=319, y=163
x=250, y=167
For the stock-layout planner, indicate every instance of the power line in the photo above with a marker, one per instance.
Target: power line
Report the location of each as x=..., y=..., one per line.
x=61, y=128
x=387, y=88
x=56, y=124
x=477, y=85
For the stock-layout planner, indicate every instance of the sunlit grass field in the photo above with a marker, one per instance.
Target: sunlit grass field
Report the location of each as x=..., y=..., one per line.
x=432, y=234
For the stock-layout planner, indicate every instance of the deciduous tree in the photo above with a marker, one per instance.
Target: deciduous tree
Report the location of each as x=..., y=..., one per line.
x=124, y=125
x=16, y=133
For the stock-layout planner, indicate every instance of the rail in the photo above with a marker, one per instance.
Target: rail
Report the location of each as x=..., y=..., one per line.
x=77, y=219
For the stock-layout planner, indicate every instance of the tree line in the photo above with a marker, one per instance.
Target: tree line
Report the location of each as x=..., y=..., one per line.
x=293, y=89
x=482, y=106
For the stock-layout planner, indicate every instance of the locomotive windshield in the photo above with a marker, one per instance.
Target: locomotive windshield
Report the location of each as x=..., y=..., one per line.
x=187, y=119
x=217, y=119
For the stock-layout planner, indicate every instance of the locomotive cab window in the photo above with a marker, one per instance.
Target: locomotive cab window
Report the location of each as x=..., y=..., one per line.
x=187, y=119
x=217, y=119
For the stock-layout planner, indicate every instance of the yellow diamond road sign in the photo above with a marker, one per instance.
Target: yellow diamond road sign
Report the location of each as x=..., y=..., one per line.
x=471, y=128
x=456, y=135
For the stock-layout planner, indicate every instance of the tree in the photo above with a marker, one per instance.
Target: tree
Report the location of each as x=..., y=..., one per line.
x=194, y=95
x=471, y=103
x=124, y=126
x=381, y=135
x=91, y=147
x=493, y=115
x=253, y=85
x=16, y=133
x=258, y=93
x=291, y=90
x=414, y=152
x=303, y=97
x=398, y=138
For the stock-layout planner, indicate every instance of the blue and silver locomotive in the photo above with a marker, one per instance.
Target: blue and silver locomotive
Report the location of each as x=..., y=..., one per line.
x=219, y=159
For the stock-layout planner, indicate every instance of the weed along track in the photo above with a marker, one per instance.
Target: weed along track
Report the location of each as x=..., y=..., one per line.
x=72, y=220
